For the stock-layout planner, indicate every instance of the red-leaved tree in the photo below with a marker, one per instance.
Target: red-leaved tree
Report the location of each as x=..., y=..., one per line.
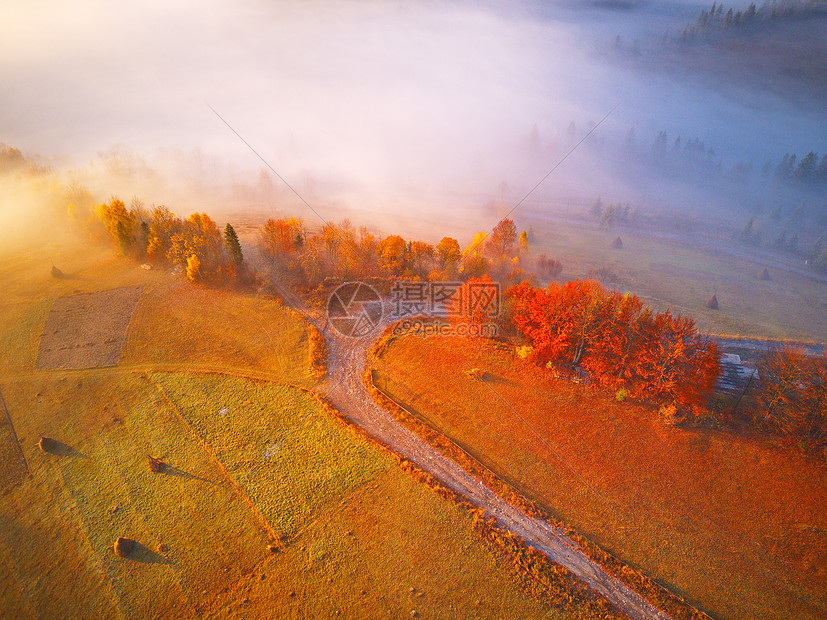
x=621, y=342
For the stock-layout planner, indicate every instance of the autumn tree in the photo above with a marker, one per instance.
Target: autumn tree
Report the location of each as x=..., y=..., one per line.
x=120, y=224
x=619, y=341
x=331, y=238
x=476, y=304
x=549, y=267
x=277, y=238
x=793, y=395
x=392, y=255
x=422, y=255
x=311, y=262
x=476, y=246
x=199, y=237
x=522, y=243
x=448, y=256
x=162, y=226
x=194, y=268
x=500, y=243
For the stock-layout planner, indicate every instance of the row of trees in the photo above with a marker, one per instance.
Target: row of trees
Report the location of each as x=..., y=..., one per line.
x=807, y=170
x=341, y=251
x=816, y=254
x=194, y=244
x=614, y=214
x=793, y=396
x=622, y=343
x=718, y=18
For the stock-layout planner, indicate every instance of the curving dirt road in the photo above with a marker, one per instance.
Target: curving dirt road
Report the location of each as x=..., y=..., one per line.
x=345, y=388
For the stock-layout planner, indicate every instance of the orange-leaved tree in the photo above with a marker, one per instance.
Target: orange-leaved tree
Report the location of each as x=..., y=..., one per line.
x=793, y=395
x=617, y=339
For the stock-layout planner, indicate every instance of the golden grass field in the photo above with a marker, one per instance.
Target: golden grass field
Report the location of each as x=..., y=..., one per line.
x=683, y=278
x=252, y=463
x=735, y=524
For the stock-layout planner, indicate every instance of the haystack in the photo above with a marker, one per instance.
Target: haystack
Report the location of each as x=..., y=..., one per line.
x=47, y=444
x=712, y=304
x=617, y=244
x=765, y=275
x=123, y=546
x=156, y=466
x=56, y=273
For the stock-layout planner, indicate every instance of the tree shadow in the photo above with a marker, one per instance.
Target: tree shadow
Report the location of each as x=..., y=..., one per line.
x=170, y=470
x=496, y=379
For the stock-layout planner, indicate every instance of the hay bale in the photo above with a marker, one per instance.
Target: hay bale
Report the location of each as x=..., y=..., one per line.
x=162, y=548
x=712, y=304
x=617, y=244
x=123, y=546
x=47, y=444
x=765, y=275
x=156, y=466
x=56, y=273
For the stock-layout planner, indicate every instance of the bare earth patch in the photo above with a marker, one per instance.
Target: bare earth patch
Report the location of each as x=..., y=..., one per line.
x=86, y=330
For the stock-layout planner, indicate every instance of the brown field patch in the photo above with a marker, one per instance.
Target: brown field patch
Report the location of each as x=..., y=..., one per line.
x=86, y=330
x=735, y=524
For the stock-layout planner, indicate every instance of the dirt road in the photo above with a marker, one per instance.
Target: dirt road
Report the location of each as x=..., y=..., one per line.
x=345, y=388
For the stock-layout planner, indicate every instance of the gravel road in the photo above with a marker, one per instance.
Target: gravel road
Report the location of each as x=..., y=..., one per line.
x=345, y=388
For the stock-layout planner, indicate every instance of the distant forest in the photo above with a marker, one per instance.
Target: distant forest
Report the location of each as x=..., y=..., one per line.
x=719, y=18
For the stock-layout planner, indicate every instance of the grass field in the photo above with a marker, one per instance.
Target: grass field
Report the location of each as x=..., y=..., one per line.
x=251, y=463
x=356, y=532
x=683, y=278
x=179, y=323
x=735, y=524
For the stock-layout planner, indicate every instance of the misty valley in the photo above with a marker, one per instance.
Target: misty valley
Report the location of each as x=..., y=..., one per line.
x=413, y=310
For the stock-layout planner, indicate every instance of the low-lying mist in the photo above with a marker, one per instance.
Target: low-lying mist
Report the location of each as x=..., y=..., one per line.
x=409, y=117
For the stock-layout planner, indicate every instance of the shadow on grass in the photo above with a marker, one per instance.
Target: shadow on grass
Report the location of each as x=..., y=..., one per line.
x=61, y=275
x=145, y=555
x=58, y=448
x=170, y=470
x=495, y=379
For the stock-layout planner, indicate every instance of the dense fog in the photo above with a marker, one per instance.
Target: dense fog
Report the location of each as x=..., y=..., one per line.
x=398, y=114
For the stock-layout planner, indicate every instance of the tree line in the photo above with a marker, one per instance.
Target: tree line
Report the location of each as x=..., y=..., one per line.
x=720, y=19
x=341, y=251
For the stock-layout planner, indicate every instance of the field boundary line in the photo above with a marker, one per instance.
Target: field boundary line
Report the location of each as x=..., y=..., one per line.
x=265, y=525
x=640, y=583
x=14, y=434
